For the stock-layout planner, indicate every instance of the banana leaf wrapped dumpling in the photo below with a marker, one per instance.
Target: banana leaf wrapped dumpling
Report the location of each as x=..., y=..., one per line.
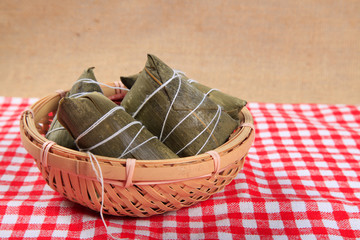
x=85, y=83
x=231, y=105
x=183, y=117
x=100, y=126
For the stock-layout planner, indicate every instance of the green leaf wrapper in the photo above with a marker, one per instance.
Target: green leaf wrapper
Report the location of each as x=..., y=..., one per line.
x=231, y=105
x=129, y=81
x=62, y=136
x=152, y=115
x=78, y=114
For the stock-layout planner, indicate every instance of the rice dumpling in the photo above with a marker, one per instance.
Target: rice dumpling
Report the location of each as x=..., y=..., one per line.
x=231, y=105
x=85, y=83
x=100, y=126
x=183, y=117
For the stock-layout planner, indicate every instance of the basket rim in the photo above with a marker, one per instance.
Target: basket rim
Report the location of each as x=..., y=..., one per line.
x=74, y=161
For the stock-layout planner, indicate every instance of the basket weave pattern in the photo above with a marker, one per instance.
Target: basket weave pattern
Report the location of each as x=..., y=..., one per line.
x=69, y=172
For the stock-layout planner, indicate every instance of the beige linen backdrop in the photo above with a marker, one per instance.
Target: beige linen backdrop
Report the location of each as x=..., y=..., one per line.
x=262, y=51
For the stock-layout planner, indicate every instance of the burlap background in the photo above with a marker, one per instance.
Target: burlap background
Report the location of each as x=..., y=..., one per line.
x=267, y=51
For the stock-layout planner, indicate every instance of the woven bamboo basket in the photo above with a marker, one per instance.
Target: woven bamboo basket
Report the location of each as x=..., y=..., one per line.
x=158, y=186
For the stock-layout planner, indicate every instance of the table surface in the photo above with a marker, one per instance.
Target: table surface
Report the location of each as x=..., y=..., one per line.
x=263, y=51
x=300, y=181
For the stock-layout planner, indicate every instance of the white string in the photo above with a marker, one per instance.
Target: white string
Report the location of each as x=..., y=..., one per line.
x=132, y=141
x=153, y=93
x=191, y=81
x=179, y=72
x=189, y=143
x=110, y=137
x=77, y=95
x=100, y=178
x=98, y=171
x=97, y=123
x=167, y=114
x=126, y=151
x=139, y=145
x=189, y=114
x=54, y=130
x=217, y=122
x=89, y=80
x=176, y=75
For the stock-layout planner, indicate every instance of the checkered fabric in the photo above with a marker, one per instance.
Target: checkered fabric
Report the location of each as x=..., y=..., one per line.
x=301, y=180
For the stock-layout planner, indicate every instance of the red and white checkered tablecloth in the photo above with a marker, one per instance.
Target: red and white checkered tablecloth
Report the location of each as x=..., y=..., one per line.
x=301, y=180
